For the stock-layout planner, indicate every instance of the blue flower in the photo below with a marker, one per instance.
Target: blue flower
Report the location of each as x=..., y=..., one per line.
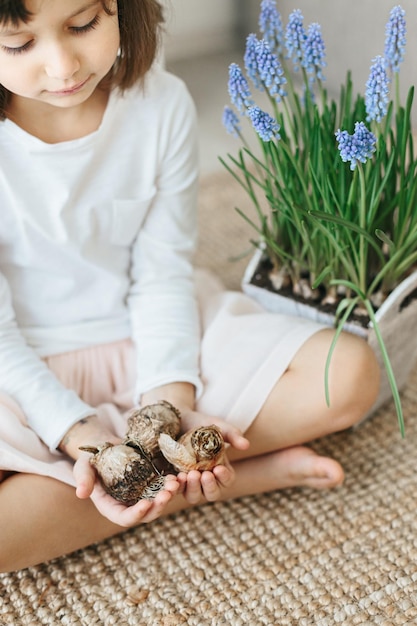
x=295, y=37
x=251, y=61
x=395, y=39
x=376, y=96
x=270, y=70
x=357, y=147
x=265, y=125
x=239, y=91
x=314, y=52
x=231, y=122
x=270, y=25
x=264, y=68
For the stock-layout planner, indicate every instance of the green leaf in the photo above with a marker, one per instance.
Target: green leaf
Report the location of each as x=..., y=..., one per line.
x=388, y=366
x=339, y=329
x=384, y=238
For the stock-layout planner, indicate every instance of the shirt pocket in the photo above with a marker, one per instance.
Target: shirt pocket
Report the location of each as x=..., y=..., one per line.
x=127, y=219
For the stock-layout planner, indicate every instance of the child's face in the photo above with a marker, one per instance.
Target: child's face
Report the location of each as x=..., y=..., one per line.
x=60, y=56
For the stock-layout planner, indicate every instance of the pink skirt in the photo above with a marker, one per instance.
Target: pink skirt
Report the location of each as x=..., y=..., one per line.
x=244, y=351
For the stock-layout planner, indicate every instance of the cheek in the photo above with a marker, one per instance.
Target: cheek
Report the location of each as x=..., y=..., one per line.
x=112, y=49
x=103, y=53
x=14, y=78
x=101, y=64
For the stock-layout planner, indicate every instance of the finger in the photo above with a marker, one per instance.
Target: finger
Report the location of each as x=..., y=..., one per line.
x=158, y=506
x=193, y=493
x=210, y=486
x=146, y=511
x=85, y=477
x=182, y=481
x=117, y=512
x=143, y=511
x=224, y=475
x=233, y=436
x=172, y=484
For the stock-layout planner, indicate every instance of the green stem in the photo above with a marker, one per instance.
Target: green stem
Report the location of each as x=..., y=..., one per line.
x=339, y=329
x=387, y=365
x=397, y=92
x=362, y=222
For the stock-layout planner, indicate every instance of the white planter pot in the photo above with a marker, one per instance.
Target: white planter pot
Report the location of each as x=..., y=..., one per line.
x=397, y=321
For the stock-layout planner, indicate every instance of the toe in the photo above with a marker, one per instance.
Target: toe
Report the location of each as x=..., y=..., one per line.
x=306, y=468
x=323, y=472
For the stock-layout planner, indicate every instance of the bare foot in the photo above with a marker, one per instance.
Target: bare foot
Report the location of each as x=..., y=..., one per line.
x=298, y=466
x=302, y=467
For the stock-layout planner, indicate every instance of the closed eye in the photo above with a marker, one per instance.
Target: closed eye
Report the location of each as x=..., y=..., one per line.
x=79, y=30
x=18, y=50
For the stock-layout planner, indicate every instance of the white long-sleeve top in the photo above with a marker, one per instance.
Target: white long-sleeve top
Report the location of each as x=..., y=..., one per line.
x=96, y=242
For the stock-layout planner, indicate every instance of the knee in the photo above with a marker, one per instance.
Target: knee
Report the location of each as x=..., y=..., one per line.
x=355, y=378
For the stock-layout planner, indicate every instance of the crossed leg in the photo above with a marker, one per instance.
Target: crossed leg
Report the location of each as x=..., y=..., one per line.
x=41, y=518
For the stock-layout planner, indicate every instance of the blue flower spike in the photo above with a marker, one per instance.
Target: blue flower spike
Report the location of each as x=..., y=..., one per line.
x=395, y=39
x=266, y=126
x=270, y=25
x=377, y=92
x=357, y=147
x=231, y=122
x=270, y=70
x=239, y=91
x=314, y=53
x=251, y=60
x=295, y=37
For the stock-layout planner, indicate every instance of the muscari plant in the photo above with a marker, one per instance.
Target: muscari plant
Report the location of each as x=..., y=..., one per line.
x=333, y=183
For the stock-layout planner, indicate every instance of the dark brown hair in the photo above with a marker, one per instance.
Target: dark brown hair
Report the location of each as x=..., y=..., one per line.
x=140, y=23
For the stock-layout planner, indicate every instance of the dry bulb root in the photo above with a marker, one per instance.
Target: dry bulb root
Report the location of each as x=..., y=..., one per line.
x=126, y=473
x=199, y=449
x=129, y=470
x=145, y=425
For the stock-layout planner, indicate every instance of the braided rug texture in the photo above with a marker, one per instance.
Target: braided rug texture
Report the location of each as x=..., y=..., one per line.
x=295, y=557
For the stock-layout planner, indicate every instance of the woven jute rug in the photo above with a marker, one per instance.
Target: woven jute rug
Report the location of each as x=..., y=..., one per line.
x=294, y=557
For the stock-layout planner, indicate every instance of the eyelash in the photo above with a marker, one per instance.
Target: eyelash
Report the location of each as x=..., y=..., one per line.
x=79, y=30
x=76, y=30
x=17, y=50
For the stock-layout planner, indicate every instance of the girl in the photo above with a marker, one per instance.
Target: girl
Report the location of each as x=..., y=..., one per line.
x=98, y=305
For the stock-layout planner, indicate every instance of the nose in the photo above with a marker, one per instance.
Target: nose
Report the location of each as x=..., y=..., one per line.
x=62, y=62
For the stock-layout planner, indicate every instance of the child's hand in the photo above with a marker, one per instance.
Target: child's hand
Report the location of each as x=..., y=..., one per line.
x=89, y=486
x=231, y=434
x=198, y=486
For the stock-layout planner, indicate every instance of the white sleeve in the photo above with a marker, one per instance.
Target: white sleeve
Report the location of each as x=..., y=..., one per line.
x=49, y=407
x=163, y=307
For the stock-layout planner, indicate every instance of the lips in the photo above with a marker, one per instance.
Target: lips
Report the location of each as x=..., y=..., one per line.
x=70, y=90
